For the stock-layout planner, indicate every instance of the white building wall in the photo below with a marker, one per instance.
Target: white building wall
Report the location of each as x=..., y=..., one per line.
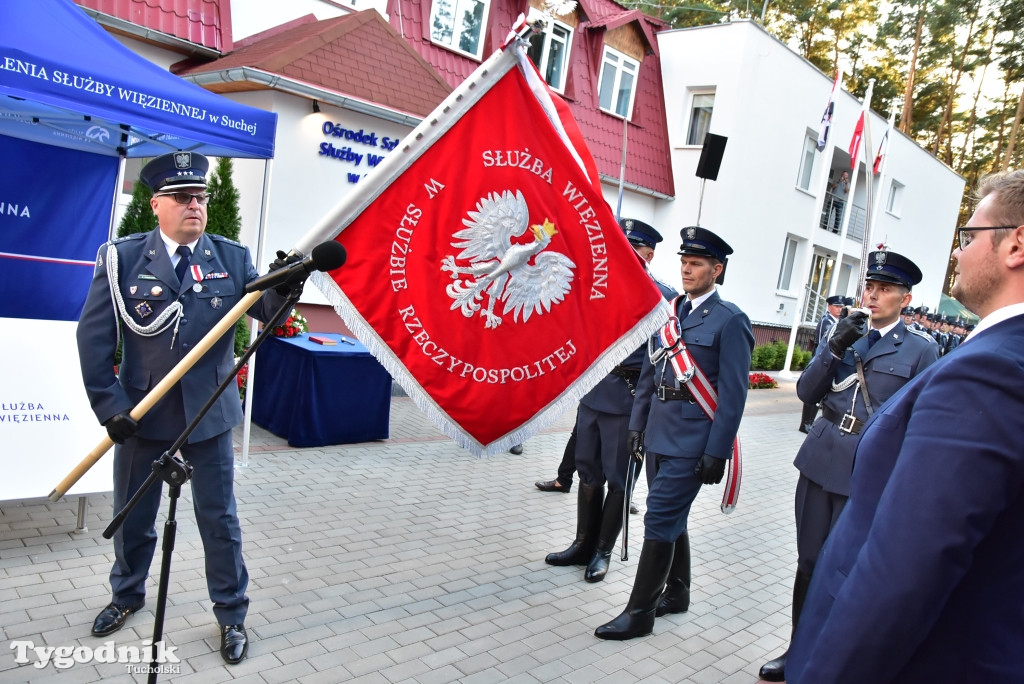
x=249, y=17
x=767, y=100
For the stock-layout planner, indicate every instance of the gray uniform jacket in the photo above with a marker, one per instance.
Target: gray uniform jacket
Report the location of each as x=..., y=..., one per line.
x=147, y=285
x=826, y=455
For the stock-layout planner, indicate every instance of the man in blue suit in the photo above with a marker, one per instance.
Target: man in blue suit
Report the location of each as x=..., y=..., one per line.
x=687, y=448
x=854, y=372
x=922, y=579
x=600, y=439
x=159, y=293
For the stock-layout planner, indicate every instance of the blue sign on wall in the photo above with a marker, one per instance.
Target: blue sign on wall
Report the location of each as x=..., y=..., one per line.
x=55, y=206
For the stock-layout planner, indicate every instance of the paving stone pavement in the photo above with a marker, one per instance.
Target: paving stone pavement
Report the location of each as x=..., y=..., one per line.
x=409, y=560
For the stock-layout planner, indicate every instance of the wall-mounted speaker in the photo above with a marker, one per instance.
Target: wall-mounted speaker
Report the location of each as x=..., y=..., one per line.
x=711, y=156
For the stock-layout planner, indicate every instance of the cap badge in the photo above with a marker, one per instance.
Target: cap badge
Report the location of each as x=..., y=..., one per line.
x=880, y=258
x=691, y=233
x=183, y=160
x=629, y=224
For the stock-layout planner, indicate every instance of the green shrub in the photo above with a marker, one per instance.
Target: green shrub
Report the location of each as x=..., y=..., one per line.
x=773, y=357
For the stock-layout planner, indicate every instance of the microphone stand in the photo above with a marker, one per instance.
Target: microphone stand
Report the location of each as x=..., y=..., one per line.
x=176, y=472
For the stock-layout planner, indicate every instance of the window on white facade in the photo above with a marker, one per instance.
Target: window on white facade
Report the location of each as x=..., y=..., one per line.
x=803, y=179
x=618, y=82
x=895, y=203
x=549, y=50
x=459, y=25
x=701, y=107
x=786, y=269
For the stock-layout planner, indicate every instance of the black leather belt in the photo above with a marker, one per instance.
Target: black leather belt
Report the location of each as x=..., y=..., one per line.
x=630, y=373
x=846, y=422
x=672, y=394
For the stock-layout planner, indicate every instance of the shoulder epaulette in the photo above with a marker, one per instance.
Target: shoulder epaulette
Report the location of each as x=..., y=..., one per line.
x=126, y=238
x=221, y=238
x=922, y=333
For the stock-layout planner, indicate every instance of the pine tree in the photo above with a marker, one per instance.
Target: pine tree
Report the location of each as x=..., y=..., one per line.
x=139, y=216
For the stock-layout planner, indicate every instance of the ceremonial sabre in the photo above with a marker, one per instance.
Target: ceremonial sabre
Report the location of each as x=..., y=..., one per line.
x=636, y=463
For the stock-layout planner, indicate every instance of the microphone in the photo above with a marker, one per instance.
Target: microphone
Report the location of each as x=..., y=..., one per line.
x=326, y=256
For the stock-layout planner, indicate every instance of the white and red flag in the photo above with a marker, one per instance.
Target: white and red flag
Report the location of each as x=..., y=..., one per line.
x=855, y=141
x=883, y=147
x=486, y=272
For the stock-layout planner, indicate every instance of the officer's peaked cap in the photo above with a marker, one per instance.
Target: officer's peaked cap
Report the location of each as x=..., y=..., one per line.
x=640, y=233
x=174, y=171
x=890, y=267
x=702, y=242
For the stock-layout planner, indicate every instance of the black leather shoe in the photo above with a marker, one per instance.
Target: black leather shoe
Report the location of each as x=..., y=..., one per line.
x=112, y=618
x=234, y=643
x=774, y=670
x=633, y=510
x=516, y=449
x=552, y=486
x=803, y=428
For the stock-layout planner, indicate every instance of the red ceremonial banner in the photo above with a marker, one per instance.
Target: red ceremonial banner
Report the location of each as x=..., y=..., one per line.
x=490, y=276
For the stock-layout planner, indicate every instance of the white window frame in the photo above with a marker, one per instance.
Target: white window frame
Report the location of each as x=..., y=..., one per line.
x=546, y=39
x=618, y=63
x=785, y=281
x=894, y=202
x=807, y=157
x=459, y=8
x=693, y=126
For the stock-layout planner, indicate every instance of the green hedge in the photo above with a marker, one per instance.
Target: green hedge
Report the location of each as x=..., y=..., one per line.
x=773, y=357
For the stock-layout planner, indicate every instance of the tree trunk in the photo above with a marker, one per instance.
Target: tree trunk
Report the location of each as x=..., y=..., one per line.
x=1014, y=130
x=907, y=117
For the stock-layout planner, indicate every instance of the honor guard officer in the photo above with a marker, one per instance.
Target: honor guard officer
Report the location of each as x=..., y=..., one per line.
x=853, y=373
x=907, y=314
x=159, y=293
x=600, y=438
x=685, y=448
x=833, y=307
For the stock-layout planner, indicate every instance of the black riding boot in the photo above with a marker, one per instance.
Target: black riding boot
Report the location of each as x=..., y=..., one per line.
x=588, y=523
x=775, y=670
x=676, y=598
x=638, y=617
x=611, y=525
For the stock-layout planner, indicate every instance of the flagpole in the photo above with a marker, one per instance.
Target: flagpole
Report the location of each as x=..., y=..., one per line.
x=883, y=150
x=819, y=203
x=622, y=168
x=844, y=224
x=869, y=190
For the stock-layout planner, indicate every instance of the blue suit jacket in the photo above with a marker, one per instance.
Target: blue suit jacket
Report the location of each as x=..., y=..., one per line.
x=720, y=340
x=148, y=285
x=826, y=455
x=612, y=393
x=922, y=579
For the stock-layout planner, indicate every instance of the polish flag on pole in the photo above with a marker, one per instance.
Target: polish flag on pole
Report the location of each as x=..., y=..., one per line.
x=826, y=118
x=883, y=146
x=487, y=273
x=858, y=136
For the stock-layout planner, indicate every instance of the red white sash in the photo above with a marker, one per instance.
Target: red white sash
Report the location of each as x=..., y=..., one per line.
x=688, y=373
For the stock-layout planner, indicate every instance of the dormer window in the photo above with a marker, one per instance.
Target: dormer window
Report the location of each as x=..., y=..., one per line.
x=618, y=82
x=459, y=25
x=549, y=50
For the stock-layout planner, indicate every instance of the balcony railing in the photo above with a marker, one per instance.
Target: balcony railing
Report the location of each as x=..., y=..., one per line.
x=832, y=217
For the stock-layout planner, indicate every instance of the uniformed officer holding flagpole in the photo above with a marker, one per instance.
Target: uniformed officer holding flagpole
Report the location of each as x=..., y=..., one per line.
x=833, y=306
x=713, y=338
x=852, y=374
x=602, y=449
x=159, y=293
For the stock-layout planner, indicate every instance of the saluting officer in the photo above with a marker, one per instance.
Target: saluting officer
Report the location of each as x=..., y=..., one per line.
x=685, y=448
x=159, y=293
x=601, y=444
x=854, y=372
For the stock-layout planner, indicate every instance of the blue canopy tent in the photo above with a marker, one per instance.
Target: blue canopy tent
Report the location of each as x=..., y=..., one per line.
x=74, y=104
x=69, y=83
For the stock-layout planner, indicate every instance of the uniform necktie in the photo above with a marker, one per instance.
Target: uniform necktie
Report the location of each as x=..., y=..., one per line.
x=687, y=305
x=873, y=337
x=182, y=267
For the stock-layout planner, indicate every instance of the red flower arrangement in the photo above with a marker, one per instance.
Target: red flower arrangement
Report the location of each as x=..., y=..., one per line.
x=243, y=380
x=294, y=325
x=762, y=381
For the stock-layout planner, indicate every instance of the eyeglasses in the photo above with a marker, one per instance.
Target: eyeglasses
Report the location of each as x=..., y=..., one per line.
x=965, y=234
x=186, y=197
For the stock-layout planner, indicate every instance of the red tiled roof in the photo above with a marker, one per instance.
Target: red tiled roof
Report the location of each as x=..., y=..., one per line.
x=354, y=54
x=203, y=22
x=649, y=158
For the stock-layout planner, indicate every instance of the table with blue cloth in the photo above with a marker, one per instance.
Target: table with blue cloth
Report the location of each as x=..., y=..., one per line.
x=317, y=395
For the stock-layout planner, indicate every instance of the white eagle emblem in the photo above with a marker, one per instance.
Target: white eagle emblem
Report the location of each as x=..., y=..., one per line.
x=502, y=270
